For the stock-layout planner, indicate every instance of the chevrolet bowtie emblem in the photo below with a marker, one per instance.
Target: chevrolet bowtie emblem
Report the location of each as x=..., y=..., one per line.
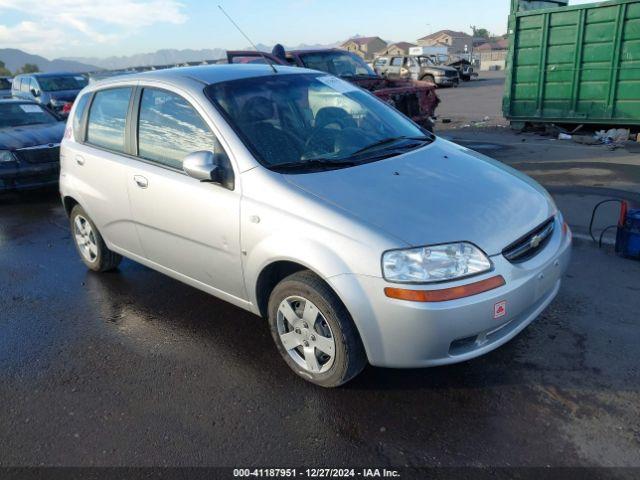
x=535, y=241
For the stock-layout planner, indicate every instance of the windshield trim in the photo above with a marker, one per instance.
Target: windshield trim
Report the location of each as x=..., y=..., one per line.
x=246, y=142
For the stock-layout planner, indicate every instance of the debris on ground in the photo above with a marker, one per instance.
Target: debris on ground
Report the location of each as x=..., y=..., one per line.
x=615, y=137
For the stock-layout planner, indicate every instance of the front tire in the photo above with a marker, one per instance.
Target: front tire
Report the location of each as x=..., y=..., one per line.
x=89, y=243
x=314, y=332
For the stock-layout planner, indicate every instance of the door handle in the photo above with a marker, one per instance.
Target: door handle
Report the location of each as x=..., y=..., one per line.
x=79, y=160
x=141, y=181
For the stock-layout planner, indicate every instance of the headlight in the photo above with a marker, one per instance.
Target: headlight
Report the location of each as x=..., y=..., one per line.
x=6, y=156
x=435, y=263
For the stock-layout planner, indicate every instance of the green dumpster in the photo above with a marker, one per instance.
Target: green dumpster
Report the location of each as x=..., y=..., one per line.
x=577, y=64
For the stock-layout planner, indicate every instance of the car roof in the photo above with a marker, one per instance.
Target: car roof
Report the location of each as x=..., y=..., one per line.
x=207, y=74
x=51, y=74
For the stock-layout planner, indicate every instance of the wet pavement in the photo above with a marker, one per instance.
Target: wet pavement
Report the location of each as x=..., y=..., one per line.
x=134, y=368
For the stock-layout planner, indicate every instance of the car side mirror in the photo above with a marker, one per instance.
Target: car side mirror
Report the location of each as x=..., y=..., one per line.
x=209, y=167
x=35, y=93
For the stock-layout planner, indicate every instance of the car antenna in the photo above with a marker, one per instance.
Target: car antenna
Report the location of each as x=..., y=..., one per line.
x=266, y=59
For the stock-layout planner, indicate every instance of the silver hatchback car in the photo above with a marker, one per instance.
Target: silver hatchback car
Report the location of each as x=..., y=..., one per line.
x=306, y=200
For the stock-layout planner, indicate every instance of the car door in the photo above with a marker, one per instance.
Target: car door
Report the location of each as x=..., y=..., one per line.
x=395, y=67
x=185, y=226
x=380, y=66
x=99, y=162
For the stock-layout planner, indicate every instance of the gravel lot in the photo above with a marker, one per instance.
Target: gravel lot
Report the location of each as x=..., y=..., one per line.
x=132, y=368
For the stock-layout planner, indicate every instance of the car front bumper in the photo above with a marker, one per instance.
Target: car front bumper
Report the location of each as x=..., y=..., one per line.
x=403, y=334
x=447, y=81
x=23, y=176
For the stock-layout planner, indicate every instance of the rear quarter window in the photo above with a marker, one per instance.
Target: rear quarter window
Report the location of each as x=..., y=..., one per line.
x=81, y=107
x=108, y=118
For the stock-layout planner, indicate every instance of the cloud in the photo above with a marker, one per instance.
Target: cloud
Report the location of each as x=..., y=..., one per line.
x=92, y=21
x=31, y=37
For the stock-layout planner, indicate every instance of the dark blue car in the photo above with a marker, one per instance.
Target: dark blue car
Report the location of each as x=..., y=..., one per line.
x=30, y=137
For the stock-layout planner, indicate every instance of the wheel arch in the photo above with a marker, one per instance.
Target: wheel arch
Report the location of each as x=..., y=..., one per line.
x=69, y=202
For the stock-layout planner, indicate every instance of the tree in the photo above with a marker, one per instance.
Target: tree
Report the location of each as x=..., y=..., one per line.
x=4, y=71
x=480, y=32
x=29, y=68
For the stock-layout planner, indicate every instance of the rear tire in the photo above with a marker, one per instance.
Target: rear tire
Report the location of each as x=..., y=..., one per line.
x=89, y=243
x=314, y=332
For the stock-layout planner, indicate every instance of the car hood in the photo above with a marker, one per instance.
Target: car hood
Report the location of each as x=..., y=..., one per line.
x=31, y=135
x=440, y=193
x=442, y=68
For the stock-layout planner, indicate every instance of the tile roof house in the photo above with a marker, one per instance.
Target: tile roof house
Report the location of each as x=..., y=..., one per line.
x=366, y=47
x=398, y=48
x=454, y=41
x=502, y=44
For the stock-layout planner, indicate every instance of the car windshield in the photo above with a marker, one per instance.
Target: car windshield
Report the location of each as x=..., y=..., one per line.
x=22, y=114
x=66, y=82
x=341, y=64
x=426, y=61
x=5, y=84
x=313, y=121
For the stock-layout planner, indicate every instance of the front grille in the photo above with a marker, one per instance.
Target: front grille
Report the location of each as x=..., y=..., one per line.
x=531, y=244
x=40, y=154
x=450, y=74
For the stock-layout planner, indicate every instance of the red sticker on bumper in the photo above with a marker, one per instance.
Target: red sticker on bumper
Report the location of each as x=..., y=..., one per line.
x=500, y=309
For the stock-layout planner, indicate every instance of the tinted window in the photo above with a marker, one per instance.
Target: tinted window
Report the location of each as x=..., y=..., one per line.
x=169, y=129
x=397, y=62
x=342, y=64
x=288, y=119
x=20, y=114
x=107, y=118
x=66, y=82
x=81, y=106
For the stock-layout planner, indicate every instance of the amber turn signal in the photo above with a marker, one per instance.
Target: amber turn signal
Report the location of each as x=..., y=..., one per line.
x=445, y=294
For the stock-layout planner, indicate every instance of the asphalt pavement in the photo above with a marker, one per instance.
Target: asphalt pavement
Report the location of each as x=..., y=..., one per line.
x=132, y=368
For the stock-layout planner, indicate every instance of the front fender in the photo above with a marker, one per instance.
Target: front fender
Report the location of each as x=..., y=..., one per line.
x=311, y=254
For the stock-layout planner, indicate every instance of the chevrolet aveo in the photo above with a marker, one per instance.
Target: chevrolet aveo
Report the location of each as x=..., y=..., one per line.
x=303, y=199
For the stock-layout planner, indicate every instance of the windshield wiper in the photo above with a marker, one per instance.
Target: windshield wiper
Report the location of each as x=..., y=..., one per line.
x=386, y=141
x=314, y=163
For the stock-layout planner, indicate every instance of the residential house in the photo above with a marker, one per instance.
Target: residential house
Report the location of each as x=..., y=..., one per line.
x=454, y=41
x=493, y=55
x=365, y=47
x=396, y=49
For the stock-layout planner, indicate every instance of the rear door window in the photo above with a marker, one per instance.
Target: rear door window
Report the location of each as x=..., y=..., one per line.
x=108, y=118
x=397, y=61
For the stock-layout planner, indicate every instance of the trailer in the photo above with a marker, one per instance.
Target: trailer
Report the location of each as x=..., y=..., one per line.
x=574, y=65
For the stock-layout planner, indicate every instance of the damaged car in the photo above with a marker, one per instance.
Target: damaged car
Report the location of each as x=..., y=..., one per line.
x=416, y=99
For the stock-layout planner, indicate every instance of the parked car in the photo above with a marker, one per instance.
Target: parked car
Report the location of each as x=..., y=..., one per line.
x=30, y=138
x=417, y=100
x=465, y=69
x=56, y=91
x=416, y=68
x=301, y=198
x=5, y=87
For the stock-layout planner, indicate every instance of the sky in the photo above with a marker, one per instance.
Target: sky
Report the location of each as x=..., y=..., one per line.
x=102, y=28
